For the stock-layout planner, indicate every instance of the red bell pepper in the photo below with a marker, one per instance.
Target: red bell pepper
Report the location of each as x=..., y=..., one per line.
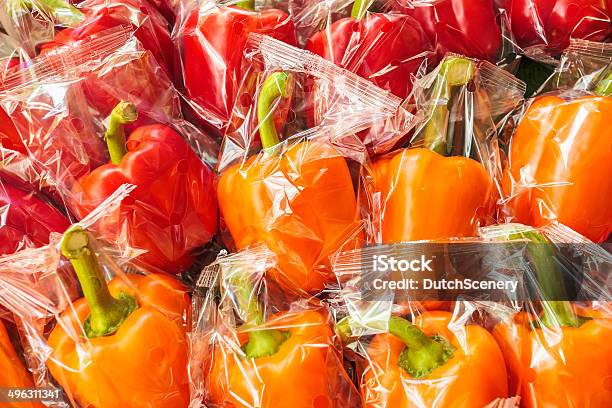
x=25, y=219
x=384, y=48
x=213, y=46
x=151, y=28
x=173, y=210
x=466, y=27
x=551, y=23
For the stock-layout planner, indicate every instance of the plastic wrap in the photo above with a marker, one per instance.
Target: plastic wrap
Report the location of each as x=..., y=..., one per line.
x=173, y=211
x=211, y=36
x=543, y=28
x=253, y=347
x=122, y=344
x=556, y=351
x=474, y=28
x=559, y=156
x=445, y=184
x=318, y=94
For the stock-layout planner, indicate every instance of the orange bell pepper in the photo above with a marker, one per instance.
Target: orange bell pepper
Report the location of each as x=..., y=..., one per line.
x=288, y=361
x=123, y=344
x=560, y=159
x=427, y=364
x=562, y=359
x=426, y=195
x=286, y=201
x=12, y=371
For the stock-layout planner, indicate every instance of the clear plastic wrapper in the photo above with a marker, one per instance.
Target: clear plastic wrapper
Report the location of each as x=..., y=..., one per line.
x=211, y=36
x=318, y=94
x=64, y=99
x=557, y=351
x=446, y=183
x=544, y=28
x=253, y=347
x=122, y=344
x=558, y=161
x=474, y=28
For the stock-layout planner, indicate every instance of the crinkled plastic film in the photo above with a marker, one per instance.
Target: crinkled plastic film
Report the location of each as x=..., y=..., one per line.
x=52, y=103
x=446, y=183
x=556, y=145
x=69, y=346
x=253, y=347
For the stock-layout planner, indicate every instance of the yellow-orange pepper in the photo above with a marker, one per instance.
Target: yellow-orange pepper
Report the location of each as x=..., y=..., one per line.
x=301, y=204
x=123, y=344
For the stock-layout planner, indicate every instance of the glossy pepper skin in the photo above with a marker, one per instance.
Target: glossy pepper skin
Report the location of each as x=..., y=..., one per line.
x=551, y=23
x=12, y=371
x=173, y=210
x=473, y=376
x=213, y=45
x=306, y=370
x=384, y=48
x=557, y=158
x=132, y=346
x=26, y=219
x=425, y=195
x=568, y=367
x=465, y=27
x=284, y=202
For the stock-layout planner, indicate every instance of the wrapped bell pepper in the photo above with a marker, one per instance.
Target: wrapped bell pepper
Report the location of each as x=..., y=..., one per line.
x=173, y=210
x=213, y=40
x=12, y=371
x=558, y=149
x=124, y=343
x=562, y=357
x=387, y=49
x=428, y=364
x=466, y=27
x=550, y=24
x=27, y=220
x=274, y=359
x=282, y=199
x=456, y=192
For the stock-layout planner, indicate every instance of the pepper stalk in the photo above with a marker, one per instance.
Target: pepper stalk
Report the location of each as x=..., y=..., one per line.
x=422, y=355
x=246, y=5
x=62, y=11
x=122, y=114
x=277, y=85
x=360, y=7
x=604, y=86
x=107, y=313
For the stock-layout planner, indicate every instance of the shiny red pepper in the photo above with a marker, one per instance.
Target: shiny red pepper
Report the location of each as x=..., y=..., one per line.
x=551, y=23
x=213, y=45
x=172, y=211
x=466, y=27
x=384, y=48
x=25, y=219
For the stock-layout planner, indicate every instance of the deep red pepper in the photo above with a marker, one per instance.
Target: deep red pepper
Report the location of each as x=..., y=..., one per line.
x=384, y=48
x=213, y=46
x=172, y=211
x=466, y=27
x=25, y=219
x=551, y=23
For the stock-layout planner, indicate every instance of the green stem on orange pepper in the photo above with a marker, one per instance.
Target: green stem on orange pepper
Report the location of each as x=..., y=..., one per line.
x=122, y=114
x=107, y=313
x=422, y=354
x=604, y=86
x=454, y=71
x=277, y=85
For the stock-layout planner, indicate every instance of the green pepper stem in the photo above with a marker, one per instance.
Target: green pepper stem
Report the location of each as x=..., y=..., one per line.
x=262, y=343
x=454, y=71
x=107, y=313
x=547, y=274
x=604, y=86
x=63, y=12
x=360, y=7
x=122, y=114
x=422, y=354
x=246, y=4
x=274, y=87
